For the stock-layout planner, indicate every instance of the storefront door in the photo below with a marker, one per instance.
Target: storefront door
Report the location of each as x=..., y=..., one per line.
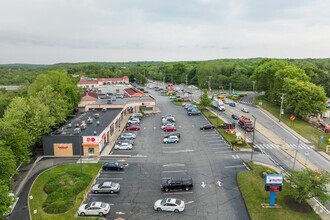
x=90, y=151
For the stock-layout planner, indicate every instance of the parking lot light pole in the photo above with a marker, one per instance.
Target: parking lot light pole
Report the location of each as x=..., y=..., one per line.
x=254, y=129
x=80, y=161
x=282, y=97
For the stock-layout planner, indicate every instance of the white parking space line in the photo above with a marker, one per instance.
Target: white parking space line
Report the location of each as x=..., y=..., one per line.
x=234, y=166
x=171, y=147
x=178, y=151
x=215, y=140
x=216, y=144
x=174, y=165
x=237, y=156
x=174, y=171
x=177, y=193
x=102, y=194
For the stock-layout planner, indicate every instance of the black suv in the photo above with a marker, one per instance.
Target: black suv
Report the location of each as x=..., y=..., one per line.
x=184, y=183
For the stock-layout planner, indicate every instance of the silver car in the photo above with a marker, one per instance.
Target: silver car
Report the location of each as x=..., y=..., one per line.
x=127, y=136
x=245, y=110
x=94, y=208
x=123, y=146
x=106, y=187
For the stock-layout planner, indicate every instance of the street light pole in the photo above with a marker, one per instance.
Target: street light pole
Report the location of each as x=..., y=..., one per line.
x=282, y=97
x=254, y=129
x=80, y=161
x=210, y=83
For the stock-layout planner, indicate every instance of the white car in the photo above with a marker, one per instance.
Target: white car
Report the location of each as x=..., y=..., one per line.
x=133, y=121
x=166, y=124
x=171, y=139
x=245, y=110
x=127, y=136
x=172, y=97
x=169, y=204
x=106, y=187
x=94, y=208
x=123, y=146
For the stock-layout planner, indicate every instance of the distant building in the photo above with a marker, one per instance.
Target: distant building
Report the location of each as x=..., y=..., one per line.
x=95, y=83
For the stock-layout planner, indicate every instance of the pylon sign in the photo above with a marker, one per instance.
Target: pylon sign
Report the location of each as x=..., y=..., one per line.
x=273, y=183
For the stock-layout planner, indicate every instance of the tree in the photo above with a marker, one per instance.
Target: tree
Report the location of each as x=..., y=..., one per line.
x=307, y=184
x=205, y=100
x=7, y=163
x=5, y=200
x=303, y=97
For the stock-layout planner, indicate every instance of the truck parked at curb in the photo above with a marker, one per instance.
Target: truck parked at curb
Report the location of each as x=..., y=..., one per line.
x=246, y=123
x=219, y=105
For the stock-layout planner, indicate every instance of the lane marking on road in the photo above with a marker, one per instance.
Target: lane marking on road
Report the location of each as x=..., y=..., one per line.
x=120, y=213
x=233, y=156
x=215, y=141
x=174, y=165
x=234, y=166
x=288, y=145
x=154, y=128
x=275, y=146
x=237, y=156
x=246, y=166
x=222, y=152
x=193, y=126
x=177, y=193
x=178, y=151
x=179, y=126
x=219, y=183
x=138, y=155
x=189, y=202
x=171, y=147
x=216, y=144
x=174, y=171
x=203, y=185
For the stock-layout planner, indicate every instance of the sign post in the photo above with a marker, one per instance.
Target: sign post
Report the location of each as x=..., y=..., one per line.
x=292, y=118
x=273, y=183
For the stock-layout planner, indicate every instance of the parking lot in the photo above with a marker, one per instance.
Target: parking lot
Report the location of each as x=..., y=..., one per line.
x=203, y=155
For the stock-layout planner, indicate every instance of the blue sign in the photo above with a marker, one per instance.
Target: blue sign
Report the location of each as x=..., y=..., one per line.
x=235, y=94
x=321, y=138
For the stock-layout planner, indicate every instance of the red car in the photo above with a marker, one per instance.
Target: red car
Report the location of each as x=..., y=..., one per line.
x=170, y=128
x=133, y=127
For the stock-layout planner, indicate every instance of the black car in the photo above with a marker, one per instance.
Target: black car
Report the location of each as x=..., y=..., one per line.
x=206, y=127
x=173, y=134
x=235, y=117
x=194, y=112
x=113, y=166
x=178, y=183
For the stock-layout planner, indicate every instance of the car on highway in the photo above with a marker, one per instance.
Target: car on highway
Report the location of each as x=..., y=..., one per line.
x=94, y=208
x=173, y=134
x=113, y=166
x=232, y=104
x=194, y=112
x=132, y=128
x=235, y=117
x=171, y=139
x=170, y=205
x=245, y=110
x=176, y=183
x=207, y=127
x=170, y=128
x=127, y=136
x=106, y=187
x=123, y=146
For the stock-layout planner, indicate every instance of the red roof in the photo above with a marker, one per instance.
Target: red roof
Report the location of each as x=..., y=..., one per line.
x=88, y=96
x=132, y=92
x=125, y=78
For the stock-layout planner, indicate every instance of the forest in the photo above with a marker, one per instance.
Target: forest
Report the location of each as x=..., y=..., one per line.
x=49, y=93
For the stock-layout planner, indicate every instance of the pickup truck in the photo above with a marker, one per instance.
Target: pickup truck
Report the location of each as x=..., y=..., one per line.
x=194, y=112
x=178, y=183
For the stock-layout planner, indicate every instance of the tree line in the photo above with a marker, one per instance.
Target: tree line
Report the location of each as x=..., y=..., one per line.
x=48, y=101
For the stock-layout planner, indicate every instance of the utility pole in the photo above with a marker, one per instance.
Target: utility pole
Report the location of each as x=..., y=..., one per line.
x=254, y=83
x=282, y=97
x=229, y=89
x=210, y=83
x=254, y=129
x=295, y=156
x=186, y=81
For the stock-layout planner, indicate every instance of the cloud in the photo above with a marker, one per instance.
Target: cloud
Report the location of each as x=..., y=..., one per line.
x=100, y=30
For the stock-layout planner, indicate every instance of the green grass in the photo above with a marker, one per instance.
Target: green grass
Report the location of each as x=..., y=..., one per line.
x=300, y=126
x=228, y=137
x=47, y=182
x=252, y=187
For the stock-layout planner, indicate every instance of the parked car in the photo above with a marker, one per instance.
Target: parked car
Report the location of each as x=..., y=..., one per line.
x=173, y=134
x=170, y=205
x=133, y=121
x=170, y=119
x=123, y=146
x=245, y=110
x=232, y=104
x=194, y=112
x=132, y=127
x=178, y=183
x=140, y=115
x=206, y=127
x=168, y=115
x=130, y=141
x=113, y=166
x=166, y=123
x=132, y=118
x=106, y=187
x=170, y=128
x=235, y=117
x=172, y=97
x=94, y=208
x=171, y=139
x=127, y=136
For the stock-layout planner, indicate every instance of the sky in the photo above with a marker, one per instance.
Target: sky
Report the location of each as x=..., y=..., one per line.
x=54, y=31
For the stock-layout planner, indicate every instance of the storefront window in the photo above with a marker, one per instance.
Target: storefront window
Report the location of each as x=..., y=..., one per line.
x=144, y=108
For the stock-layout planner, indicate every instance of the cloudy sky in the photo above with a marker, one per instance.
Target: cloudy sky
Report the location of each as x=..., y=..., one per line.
x=53, y=31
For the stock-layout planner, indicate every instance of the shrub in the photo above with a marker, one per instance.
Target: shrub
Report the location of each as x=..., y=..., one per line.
x=142, y=112
x=177, y=96
x=145, y=91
